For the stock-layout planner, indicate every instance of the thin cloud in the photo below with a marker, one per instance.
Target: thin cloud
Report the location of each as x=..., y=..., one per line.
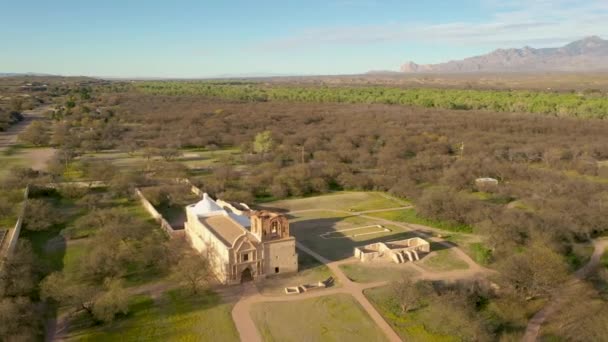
x=515, y=22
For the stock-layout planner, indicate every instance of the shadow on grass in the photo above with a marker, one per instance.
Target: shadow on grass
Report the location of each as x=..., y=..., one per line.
x=308, y=233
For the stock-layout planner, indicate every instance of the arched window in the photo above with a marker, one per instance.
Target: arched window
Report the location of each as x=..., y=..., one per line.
x=274, y=228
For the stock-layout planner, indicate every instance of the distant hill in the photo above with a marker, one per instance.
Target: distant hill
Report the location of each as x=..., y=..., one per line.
x=588, y=54
x=17, y=74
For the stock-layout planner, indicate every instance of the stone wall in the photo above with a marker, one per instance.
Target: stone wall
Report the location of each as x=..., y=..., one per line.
x=164, y=225
x=10, y=240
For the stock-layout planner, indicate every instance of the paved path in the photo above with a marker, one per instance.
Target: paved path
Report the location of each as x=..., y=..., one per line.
x=250, y=295
x=534, y=325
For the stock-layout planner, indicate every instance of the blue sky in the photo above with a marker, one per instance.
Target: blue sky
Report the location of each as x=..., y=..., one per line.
x=151, y=38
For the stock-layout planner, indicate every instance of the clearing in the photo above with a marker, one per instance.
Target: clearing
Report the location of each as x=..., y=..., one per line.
x=329, y=318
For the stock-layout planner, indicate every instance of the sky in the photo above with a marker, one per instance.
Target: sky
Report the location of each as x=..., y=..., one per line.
x=192, y=39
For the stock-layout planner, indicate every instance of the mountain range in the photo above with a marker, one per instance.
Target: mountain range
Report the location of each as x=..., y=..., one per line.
x=588, y=54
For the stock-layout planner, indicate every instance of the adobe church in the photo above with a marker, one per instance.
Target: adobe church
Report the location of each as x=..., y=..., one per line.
x=240, y=244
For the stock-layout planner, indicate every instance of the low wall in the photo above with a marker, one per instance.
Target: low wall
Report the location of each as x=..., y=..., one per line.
x=13, y=235
x=164, y=225
x=195, y=190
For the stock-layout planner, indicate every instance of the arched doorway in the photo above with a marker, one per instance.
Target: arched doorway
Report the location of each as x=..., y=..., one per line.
x=246, y=275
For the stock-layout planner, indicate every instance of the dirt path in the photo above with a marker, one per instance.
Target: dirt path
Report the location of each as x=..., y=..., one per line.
x=534, y=325
x=250, y=295
x=9, y=137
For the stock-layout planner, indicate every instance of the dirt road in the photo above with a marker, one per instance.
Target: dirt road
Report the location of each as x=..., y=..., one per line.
x=9, y=137
x=541, y=316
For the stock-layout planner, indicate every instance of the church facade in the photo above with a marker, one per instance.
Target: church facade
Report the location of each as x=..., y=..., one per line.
x=240, y=244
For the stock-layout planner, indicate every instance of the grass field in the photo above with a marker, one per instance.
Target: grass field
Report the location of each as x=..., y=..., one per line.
x=329, y=318
x=309, y=229
x=309, y=271
x=347, y=201
x=173, y=317
x=442, y=260
x=368, y=273
x=194, y=159
x=410, y=216
x=508, y=317
x=409, y=326
x=19, y=156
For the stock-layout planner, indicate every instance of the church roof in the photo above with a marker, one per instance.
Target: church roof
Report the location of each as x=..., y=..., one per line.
x=224, y=228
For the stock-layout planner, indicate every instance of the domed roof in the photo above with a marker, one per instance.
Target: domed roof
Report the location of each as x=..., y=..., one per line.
x=206, y=206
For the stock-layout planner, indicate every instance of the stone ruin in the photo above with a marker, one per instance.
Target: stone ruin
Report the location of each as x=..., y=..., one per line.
x=398, y=251
x=486, y=184
x=309, y=287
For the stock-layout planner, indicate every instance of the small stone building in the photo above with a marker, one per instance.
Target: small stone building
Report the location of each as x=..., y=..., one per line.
x=240, y=244
x=486, y=184
x=398, y=251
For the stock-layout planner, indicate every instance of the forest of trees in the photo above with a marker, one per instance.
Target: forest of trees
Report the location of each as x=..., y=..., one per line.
x=589, y=105
x=552, y=191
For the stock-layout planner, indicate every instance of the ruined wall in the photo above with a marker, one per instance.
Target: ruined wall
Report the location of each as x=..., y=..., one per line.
x=281, y=254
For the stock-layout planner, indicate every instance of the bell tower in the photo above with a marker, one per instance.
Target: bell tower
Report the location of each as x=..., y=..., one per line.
x=267, y=226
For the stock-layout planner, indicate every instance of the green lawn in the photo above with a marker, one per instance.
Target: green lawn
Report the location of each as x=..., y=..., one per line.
x=329, y=318
x=173, y=317
x=369, y=273
x=443, y=260
x=308, y=228
x=309, y=271
x=408, y=326
x=347, y=201
x=410, y=216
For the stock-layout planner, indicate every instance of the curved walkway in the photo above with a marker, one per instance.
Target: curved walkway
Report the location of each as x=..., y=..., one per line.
x=534, y=325
x=250, y=295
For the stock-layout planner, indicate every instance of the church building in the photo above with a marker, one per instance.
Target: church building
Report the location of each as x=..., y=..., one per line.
x=240, y=244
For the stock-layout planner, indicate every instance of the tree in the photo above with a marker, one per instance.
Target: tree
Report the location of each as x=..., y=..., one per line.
x=192, y=271
x=263, y=142
x=69, y=292
x=408, y=294
x=39, y=215
x=18, y=319
x=535, y=271
x=18, y=277
x=115, y=300
x=101, y=303
x=36, y=134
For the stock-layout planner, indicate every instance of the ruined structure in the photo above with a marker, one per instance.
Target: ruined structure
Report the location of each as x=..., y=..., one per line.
x=398, y=251
x=240, y=244
x=486, y=184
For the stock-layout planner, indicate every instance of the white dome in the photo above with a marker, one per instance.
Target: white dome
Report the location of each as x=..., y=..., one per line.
x=206, y=206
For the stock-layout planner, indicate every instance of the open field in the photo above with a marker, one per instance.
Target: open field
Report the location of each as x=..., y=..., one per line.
x=194, y=159
x=17, y=156
x=311, y=229
x=442, y=260
x=345, y=200
x=410, y=216
x=374, y=272
x=330, y=318
x=173, y=317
